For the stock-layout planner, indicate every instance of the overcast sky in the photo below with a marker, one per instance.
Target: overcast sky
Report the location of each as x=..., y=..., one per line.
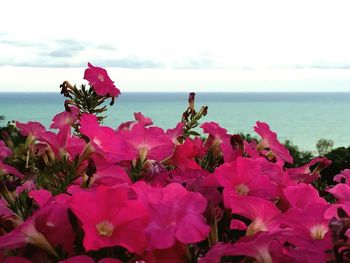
x=177, y=45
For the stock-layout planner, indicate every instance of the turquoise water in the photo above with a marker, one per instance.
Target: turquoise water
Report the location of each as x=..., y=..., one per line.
x=301, y=117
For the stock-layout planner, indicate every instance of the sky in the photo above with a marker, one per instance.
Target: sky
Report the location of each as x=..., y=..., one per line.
x=182, y=45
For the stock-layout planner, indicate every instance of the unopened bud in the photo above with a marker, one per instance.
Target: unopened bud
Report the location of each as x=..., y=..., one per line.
x=191, y=100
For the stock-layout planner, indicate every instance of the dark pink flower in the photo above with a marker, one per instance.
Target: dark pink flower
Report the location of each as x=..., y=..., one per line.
x=110, y=219
x=174, y=254
x=4, y=151
x=244, y=177
x=304, y=173
x=261, y=212
x=260, y=247
x=217, y=136
x=15, y=259
x=139, y=119
x=108, y=174
x=105, y=140
x=41, y=230
x=64, y=144
x=65, y=118
x=295, y=195
x=7, y=169
x=270, y=141
x=176, y=132
x=343, y=177
x=148, y=143
x=176, y=214
x=78, y=259
x=99, y=79
x=184, y=155
x=341, y=192
x=32, y=129
x=309, y=225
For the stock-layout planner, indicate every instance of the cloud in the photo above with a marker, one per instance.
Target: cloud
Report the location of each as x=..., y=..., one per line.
x=130, y=62
x=71, y=52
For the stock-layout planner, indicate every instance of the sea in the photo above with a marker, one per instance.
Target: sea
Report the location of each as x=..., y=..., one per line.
x=302, y=118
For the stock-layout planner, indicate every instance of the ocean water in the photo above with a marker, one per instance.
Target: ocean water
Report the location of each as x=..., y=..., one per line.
x=302, y=118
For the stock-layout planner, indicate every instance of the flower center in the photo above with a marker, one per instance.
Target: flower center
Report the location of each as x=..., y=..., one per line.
x=143, y=150
x=105, y=228
x=256, y=226
x=101, y=77
x=318, y=231
x=242, y=189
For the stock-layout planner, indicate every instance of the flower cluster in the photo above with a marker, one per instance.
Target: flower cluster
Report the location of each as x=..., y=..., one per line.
x=84, y=192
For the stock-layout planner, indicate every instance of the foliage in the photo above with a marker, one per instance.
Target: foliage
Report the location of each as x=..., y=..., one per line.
x=324, y=146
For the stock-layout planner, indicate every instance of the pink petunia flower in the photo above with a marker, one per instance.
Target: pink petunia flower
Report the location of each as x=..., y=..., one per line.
x=263, y=214
x=261, y=247
x=148, y=143
x=87, y=259
x=139, y=119
x=4, y=151
x=310, y=226
x=65, y=118
x=295, y=195
x=41, y=230
x=217, y=138
x=270, y=141
x=100, y=81
x=244, y=177
x=176, y=214
x=341, y=192
x=7, y=169
x=176, y=132
x=63, y=143
x=105, y=140
x=31, y=129
x=109, y=219
x=304, y=173
x=343, y=177
x=184, y=155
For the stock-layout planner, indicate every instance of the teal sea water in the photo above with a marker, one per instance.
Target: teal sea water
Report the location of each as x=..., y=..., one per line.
x=301, y=117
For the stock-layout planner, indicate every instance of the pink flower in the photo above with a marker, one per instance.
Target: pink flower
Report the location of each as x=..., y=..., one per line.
x=304, y=174
x=148, y=143
x=86, y=259
x=105, y=140
x=309, y=225
x=110, y=219
x=261, y=212
x=176, y=132
x=4, y=151
x=99, y=79
x=174, y=254
x=217, y=137
x=64, y=144
x=341, y=192
x=65, y=118
x=260, y=247
x=343, y=177
x=41, y=230
x=184, y=155
x=32, y=129
x=296, y=194
x=244, y=177
x=7, y=169
x=139, y=119
x=270, y=141
x=176, y=214
x=15, y=259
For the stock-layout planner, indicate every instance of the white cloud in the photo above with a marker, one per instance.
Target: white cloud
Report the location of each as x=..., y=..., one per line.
x=233, y=34
x=177, y=36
